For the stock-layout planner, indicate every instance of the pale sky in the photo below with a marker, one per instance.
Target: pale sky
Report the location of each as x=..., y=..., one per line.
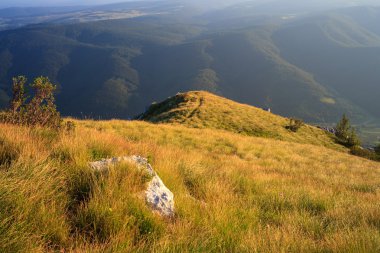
x=26, y=3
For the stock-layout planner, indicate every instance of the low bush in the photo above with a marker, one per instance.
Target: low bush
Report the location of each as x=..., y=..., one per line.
x=294, y=124
x=36, y=108
x=346, y=134
x=377, y=150
x=365, y=153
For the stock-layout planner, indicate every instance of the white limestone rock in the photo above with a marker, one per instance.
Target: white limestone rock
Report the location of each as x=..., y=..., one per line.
x=157, y=195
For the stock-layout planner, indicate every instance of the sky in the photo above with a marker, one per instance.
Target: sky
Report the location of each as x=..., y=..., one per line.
x=27, y=3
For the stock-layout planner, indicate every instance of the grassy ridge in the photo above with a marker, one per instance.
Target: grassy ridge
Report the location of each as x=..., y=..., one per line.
x=201, y=109
x=233, y=193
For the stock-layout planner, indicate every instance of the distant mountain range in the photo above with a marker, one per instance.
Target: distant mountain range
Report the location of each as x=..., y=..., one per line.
x=314, y=66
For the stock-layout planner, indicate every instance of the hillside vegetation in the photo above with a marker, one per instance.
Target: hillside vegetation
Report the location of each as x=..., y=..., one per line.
x=200, y=109
x=233, y=193
x=331, y=44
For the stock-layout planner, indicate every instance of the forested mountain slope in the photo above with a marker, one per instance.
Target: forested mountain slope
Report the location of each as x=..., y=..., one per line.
x=315, y=67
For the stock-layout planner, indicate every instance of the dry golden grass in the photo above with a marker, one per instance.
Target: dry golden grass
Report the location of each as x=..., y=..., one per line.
x=233, y=193
x=200, y=109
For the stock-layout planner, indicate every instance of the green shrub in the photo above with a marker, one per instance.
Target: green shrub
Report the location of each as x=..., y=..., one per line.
x=294, y=124
x=346, y=134
x=37, y=108
x=377, y=150
x=365, y=153
x=353, y=140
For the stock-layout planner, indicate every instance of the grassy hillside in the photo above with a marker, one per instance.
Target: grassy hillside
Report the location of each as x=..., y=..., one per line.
x=201, y=109
x=233, y=193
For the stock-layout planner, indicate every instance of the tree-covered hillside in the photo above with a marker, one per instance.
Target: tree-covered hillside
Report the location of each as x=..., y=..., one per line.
x=341, y=53
x=309, y=67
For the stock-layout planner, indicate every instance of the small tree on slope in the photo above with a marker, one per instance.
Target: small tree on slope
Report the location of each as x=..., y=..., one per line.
x=40, y=109
x=345, y=133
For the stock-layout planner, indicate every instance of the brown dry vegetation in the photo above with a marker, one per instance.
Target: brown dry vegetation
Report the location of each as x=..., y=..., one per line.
x=233, y=193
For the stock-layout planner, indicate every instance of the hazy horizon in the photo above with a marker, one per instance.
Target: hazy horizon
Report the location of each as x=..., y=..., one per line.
x=207, y=3
x=42, y=3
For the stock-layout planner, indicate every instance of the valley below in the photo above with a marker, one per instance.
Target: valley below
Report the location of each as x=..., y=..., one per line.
x=113, y=61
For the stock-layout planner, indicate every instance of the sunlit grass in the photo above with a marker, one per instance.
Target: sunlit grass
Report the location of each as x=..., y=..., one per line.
x=233, y=193
x=200, y=109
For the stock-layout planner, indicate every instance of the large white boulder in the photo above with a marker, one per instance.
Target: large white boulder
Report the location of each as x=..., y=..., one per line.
x=157, y=195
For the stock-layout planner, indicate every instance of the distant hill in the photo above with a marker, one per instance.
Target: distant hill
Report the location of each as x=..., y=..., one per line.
x=201, y=109
x=304, y=66
x=340, y=50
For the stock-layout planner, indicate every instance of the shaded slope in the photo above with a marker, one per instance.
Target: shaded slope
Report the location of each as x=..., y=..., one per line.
x=341, y=54
x=90, y=62
x=114, y=69
x=254, y=72
x=204, y=110
x=241, y=65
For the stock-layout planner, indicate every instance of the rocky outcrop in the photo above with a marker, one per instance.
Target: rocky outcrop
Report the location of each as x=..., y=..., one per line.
x=328, y=129
x=157, y=195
